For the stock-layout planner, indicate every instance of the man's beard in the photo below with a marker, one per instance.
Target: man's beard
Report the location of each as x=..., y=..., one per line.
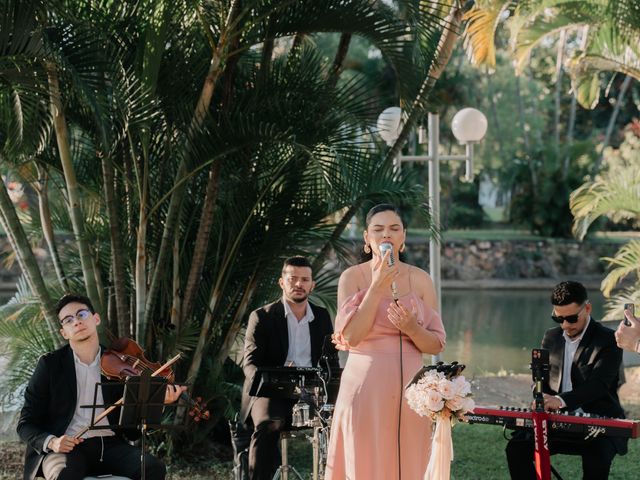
x=299, y=300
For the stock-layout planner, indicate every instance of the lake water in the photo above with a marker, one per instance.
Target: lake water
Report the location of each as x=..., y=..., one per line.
x=493, y=331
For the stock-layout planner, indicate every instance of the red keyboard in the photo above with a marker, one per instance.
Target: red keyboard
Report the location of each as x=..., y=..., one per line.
x=588, y=425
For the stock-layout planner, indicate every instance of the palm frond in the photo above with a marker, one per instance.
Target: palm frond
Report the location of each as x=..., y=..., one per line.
x=616, y=194
x=479, y=34
x=614, y=305
x=625, y=262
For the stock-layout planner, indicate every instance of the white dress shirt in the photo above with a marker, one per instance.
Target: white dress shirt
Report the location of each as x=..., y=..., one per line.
x=299, y=353
x=570, y=348
x=86, y=378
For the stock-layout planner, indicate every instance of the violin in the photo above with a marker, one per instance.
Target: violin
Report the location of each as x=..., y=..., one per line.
x=125, y=358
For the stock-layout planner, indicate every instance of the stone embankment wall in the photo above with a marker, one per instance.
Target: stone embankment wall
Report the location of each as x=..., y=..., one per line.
x=471, y=261
x=475, y=260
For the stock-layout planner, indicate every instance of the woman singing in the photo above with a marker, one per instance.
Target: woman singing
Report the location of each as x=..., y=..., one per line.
x=374, y=434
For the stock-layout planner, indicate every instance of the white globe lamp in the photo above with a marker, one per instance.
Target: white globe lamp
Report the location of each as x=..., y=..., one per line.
x=469, y=125
x=390, y=124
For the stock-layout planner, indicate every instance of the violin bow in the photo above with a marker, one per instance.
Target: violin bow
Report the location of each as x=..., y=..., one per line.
x=121, y=401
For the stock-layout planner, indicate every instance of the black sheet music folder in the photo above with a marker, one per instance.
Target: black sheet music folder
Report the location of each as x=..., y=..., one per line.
x=281, y=382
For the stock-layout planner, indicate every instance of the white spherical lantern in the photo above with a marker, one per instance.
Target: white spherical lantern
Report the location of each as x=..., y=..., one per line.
x=469, y=125
x=389, y=124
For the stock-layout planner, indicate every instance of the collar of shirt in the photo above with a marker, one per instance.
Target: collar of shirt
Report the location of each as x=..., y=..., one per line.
x=576, y=340
x=92, y=364
x=308, y=314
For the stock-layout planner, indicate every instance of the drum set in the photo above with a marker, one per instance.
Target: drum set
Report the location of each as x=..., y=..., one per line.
x=314, y=390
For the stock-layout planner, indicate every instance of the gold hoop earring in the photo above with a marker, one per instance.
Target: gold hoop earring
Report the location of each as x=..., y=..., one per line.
x=367, y=248
x=402, y=248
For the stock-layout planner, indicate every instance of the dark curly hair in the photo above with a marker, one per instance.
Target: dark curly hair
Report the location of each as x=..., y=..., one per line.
x=566, y=293
x=68, y=298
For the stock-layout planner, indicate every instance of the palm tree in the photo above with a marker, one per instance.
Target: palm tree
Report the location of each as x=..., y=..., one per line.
x=608, y=33
x=615, y=193
x=214, y=133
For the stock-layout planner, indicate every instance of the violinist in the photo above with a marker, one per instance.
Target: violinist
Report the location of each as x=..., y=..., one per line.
x=51, y=416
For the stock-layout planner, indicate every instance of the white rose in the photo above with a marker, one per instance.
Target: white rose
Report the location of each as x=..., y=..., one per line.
x=468, y=404
x=445, y=387
x=416, y=400
x=454, y=404
x=461, y=386
x=434, y=401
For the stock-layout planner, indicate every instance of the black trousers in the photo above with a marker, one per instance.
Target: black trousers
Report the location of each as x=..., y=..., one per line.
x=101, y=456
x=269, y=416
x=597, y=455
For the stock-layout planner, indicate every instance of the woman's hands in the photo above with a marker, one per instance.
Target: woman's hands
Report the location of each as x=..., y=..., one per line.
x=406, y=320
x=383, y=274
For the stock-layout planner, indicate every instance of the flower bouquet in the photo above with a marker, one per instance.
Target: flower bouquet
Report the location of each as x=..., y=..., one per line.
x=441, y=393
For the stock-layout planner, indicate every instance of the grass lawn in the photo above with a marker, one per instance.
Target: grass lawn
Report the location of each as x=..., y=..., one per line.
x=478, y=455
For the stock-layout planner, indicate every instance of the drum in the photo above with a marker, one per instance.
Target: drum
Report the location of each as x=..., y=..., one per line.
x=300, y=416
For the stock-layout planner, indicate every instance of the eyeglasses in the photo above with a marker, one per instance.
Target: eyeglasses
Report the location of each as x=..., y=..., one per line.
x=569, y=318
x=80, y=315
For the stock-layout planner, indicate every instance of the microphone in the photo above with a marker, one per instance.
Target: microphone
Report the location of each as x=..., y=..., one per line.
x=384, y=247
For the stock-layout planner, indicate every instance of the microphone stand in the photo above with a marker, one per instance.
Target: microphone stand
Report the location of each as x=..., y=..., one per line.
x=542, y=455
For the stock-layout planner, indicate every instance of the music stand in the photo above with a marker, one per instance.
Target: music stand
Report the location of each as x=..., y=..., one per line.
x=143, y=406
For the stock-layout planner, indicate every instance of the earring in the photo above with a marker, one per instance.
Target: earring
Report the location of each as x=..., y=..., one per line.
x=402, y=248
x=367, y=248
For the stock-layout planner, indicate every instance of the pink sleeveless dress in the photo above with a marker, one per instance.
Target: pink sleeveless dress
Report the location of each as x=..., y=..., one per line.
x=364, y=433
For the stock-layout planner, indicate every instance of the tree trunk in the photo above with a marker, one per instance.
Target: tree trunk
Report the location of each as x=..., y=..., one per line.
x=175, y=283
x=47, y=226
x=27, y=261
x=202, y=242
x=201, y=245
x=338, y=61
x=612, y=122
x=337, y=232
x=572, y=114
x=265, y=64
x=445, y=49
x=525, y=136
x=175, y=203
x=141, y=278
x=493, y=112
x=117, y=249
x=558, y=93
x=75, y=211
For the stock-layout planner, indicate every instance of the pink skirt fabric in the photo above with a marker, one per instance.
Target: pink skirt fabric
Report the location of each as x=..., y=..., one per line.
x=364, y=433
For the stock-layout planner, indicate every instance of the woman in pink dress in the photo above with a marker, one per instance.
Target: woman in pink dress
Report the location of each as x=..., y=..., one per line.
x=374, y=434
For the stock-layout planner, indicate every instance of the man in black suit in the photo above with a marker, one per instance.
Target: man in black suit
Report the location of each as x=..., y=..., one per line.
x=51, y=417
x=584, y=369
x=289, y=332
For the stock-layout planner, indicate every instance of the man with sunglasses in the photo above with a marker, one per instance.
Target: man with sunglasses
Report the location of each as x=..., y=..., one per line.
x=62, y=382
x=584, y=373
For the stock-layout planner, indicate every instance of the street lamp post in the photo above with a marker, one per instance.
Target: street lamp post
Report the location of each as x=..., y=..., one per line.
x=469, y=126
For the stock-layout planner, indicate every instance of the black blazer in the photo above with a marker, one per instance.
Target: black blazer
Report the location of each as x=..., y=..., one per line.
x=266, y=343
x=595, y=372
x=49, y=404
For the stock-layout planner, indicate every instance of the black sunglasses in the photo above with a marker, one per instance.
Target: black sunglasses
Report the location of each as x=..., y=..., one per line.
x=569, y=318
